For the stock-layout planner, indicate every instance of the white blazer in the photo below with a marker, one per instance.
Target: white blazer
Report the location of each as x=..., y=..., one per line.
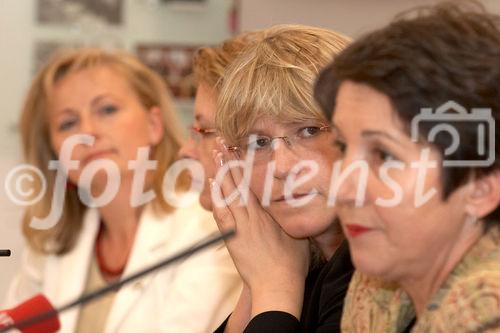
x=193, y=296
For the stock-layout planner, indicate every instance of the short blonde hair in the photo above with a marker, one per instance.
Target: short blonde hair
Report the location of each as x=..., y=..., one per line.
x=275, y=77
x=151, y=91
x=210, y=63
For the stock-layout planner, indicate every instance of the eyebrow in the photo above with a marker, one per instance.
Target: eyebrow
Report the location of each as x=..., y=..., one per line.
x=372, y=133
x=93, y=103
x=264, y=127
x=98, y=98
x=62, y=112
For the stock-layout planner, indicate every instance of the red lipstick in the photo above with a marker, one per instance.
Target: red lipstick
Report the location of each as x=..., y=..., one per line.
x=355, y=230
x=96, y=155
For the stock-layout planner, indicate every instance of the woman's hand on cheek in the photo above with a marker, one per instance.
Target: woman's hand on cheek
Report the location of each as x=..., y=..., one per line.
x=272, y=264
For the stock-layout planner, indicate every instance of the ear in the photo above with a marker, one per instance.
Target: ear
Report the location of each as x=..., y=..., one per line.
x=155, y=123
x=484, y=195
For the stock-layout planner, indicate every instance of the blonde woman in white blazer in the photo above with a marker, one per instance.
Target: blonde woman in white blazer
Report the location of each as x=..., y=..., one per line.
x=125, y=108
x=195, y=295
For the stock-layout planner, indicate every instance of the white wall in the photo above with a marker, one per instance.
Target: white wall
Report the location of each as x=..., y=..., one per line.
x=351, y=17
x=143, y=22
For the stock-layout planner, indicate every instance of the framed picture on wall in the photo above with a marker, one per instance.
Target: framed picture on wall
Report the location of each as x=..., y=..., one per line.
x=174, y=64
x=64, y=12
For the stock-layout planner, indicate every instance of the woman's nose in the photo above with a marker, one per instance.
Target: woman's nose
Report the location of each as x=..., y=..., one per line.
x=188, y=149
x=90, y=126
x=284, y=157
x=349, y=180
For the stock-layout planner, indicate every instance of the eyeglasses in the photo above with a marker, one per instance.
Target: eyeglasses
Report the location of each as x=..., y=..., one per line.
x=198, y=133
x=304, y=141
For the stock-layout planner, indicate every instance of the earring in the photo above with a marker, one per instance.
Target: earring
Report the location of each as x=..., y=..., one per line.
x=471, y=219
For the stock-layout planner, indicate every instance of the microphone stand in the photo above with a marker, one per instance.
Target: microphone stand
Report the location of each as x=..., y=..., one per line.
x=206, y=242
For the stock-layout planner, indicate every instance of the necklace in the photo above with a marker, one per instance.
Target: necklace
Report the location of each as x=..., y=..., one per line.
x=100, y=260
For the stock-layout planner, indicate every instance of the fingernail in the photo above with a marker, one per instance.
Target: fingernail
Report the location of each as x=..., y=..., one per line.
x=223, y=143
x=221, y=161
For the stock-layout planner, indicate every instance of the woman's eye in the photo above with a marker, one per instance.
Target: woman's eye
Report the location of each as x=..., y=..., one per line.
x=309, y=131
x=384, y=156
x=260, y=142
x=108, y=109
x=67, y=124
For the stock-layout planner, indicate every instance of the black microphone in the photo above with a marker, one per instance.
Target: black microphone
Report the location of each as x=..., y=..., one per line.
x=5, y=253
x=206, y=242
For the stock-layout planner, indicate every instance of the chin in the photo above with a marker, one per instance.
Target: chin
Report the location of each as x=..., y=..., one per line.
x=295, y=232
x=301, y=225
x=206, y=200
x=371, y=265
x=310, y=220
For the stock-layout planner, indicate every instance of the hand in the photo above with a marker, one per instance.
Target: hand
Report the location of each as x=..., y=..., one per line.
x=242, y=312
x=272, y=264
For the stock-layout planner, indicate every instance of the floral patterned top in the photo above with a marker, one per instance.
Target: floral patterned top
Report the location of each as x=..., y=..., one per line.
x=468, y=301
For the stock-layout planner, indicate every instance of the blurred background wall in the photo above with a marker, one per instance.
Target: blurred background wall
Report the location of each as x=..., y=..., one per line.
x=31, y=29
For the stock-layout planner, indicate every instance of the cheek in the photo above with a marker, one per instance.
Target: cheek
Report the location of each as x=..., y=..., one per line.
x=206, y=159
x=393, y=219
x=128, y=145
x=206, y=197
x=257, y=182
x=405, y=221
x=391, y=200
x=57, y=143
x=135, y=120
x=141, y=132
x=322, y=179
x=208, y=164
x=327, y=155
x=325, y=162
x=377, y=189
x=391, y=189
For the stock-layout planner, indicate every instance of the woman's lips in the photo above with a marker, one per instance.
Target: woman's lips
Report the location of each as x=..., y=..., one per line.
x=355, y=230
x=97, y=155
x=294, y=196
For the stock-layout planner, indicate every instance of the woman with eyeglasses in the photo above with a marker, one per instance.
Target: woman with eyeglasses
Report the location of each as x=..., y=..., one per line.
x=209, y=65
x=289, y=248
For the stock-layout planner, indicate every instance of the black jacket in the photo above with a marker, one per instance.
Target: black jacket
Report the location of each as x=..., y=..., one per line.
x=325, y=289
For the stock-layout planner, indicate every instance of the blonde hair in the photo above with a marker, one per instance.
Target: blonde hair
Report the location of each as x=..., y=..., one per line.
x=274, y=77
x=210, y=63
x=151, y=91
